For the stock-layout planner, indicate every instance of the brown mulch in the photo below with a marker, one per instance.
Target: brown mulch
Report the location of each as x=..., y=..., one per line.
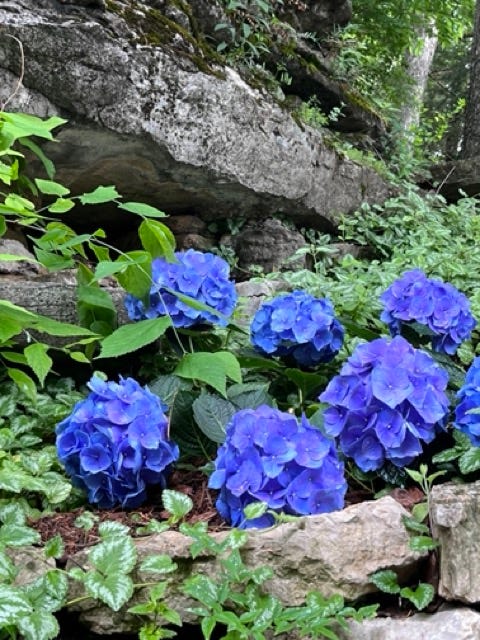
x=75, y=538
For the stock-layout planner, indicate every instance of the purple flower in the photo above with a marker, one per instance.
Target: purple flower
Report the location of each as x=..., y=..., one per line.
x=297, y=326
x=442, y=309
x=202, y=276
x=404, y=403
x=467, y=411
x=115, y=443
x=269, y=457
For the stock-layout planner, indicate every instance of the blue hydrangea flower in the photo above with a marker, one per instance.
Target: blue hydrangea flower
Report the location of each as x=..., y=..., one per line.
x=299, y=326
x=467, y=411
x=115, y=443
x=438, y=305
x=387, y=399
x=269, y=457
x=202, y=276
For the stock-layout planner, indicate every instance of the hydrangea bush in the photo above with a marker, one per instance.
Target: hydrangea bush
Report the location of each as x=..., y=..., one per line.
x=202, y=276
x=438, y=305
x=386, y=401
x=115, y=443
x=467, y=411
x=269, y=456
x=299, y=326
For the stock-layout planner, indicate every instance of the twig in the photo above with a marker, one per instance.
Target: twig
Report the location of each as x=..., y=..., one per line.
x=22, y=71
x=438, y=189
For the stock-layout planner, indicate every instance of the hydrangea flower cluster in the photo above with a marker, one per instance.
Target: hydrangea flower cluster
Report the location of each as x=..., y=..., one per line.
x=437, y=305
x=202, y=276
x=268, y=456
x=467, y=411
x=115, y=443
x=387, y=398
x=299, y=326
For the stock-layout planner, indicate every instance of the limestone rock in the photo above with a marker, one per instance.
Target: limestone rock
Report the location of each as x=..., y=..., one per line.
x=161, y=120
x=31, y=564
x=447, y=624
x=334, y=553
x=455, y=519
x=268, y=244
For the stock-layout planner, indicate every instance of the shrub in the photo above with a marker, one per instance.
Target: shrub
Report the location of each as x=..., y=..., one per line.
x=438, y=305
x=387, y=398
x=268, y=456
x=298, y=326
x=201, y=276
x=467, y=411
x=115, y=443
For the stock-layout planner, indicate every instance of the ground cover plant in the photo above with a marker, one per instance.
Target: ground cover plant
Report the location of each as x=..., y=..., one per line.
x=282, y=415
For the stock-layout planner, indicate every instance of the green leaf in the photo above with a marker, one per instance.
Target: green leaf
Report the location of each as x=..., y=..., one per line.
x=249, y=395
x=61, y=205
x=8, y=570
x=202, y=589
x=176, y=503
x=24, y=382
x=135, y=278
x=11, y=257
x=415, y=475
x=38, y=360
x=448, y=455
x=15, y=535
x=386, y=581
x=412, y=524
x=131, y=337
x=38, y=151
x=54, y=547
x=53, y=261
x=157, y=239
x=38, y=625
x=13, y=605
x=470, y=460
x=19, y=125
x=51, y=188
x=159, y=563
x=421, y=597
x=422, y=543
x=9, y=328
x=111, y=529
x=255, y=510
x=115, y=555
x=56, y=328
x=86, y=520
x=49, y=591
x=420, y=511
x=211, y=368
x=100, y=195
x=114, y=590
x=212, y=414
x=307, y=382
x=142, y=209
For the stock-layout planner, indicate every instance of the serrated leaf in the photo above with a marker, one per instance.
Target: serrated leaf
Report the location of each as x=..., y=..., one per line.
x=85, y=520
x=447, y=455
x=386, y=581
x=412, y=524
x=115, y=555
x=38, y=360
x=14, y=605
x=421, y=597
x=211, y=368
x=470, y=460
x=255, y=510
x=14, y=535
x=24, y=382
x=131, y=337
x=212, y=414
x=159, y=563
x=100, y=195
x=10, y=513
x=38, y=625
x=9, y=328
x=142, y=209
x=51, y=188
x=176, y=503
x=114, y=590
x=49, y=591
x=157, y=239
x=54, y=547
x=249, y=395
x=111, y=529
x=203, y=589
x=8, y=570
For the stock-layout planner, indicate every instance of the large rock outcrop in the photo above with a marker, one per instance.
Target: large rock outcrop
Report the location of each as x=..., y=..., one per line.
x=152, y=110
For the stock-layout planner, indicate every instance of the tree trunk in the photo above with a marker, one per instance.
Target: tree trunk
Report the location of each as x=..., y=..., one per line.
x=471, y=138
x=418, y=65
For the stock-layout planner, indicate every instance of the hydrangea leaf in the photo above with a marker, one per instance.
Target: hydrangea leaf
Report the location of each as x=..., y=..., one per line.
x=211, y=368
x=38, y=360
x=157, y=239
x=212, y=414
x=131, y=337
